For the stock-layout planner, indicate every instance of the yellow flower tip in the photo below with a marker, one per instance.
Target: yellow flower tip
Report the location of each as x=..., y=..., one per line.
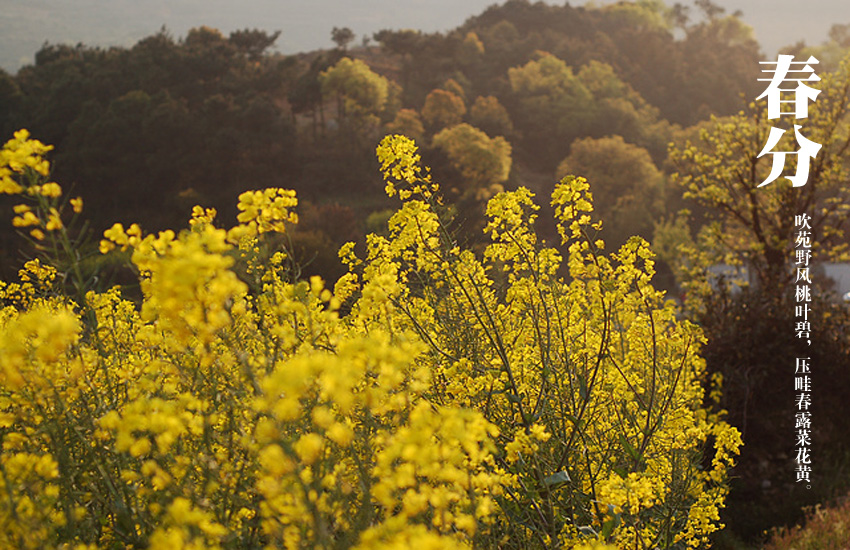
x=26, y=219
x=309, y=447
x=114, y=232
x=53, y=220
x=9, y=186
x=106, y=246
x=77, y=204
x=340, y=434
x=51, y=190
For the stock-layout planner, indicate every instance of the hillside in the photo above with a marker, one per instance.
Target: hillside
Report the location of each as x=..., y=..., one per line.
x=652, y=104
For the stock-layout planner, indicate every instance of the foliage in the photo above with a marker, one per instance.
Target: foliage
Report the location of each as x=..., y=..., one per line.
x=754, y=226
x=593, y=102
x=10, y=99
x=826, y=528
x=461, y=400
x=254, y=43
x=180, y=121
x=489, y=115
x=443, y=109
x=739, y=224
x=471, y=49
x=205, y=117
x=361, y=91
x=408, y=123
x=619, y=110
x=628, y=188
x=455, y=87
x=829, y=53
x=550, y=95
x=484, y=162
x=644, y=14
x=746, y=351
x=688, y=73
x=342, y=37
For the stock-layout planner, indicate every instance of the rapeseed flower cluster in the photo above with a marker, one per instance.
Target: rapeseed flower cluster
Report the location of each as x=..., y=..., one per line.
x=595, y=385
x=462, y=400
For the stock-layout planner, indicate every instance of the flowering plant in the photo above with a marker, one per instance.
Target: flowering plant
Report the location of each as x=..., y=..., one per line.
x=461, y=400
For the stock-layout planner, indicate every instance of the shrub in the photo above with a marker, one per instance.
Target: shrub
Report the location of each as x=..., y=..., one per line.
x=825, y=529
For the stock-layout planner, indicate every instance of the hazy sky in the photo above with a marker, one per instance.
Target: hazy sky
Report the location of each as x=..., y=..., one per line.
x=305, y=24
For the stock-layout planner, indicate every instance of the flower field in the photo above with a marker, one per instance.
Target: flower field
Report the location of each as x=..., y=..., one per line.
x=518, y=395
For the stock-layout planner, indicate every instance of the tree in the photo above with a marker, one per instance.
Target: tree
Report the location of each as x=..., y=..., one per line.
x=306, y=93
x=453, y=86
x=710, y=9
x=553, y=105
x=829, y=53
x=184, y=120
x=406, y=44
x=204, y=37
x=556, y=106
x=484, y=162
x=407, y=123
x=680, y=15
x=644, y=15
x=342, y=37
x=627, y=187
x=358, y=90
x=491, y=116
x=721, y=59
x=11, y=99
x=253, y=43
x=750, y=347
x=736, y=222
x=442, y=109
x=745, y=224
x=500, y=37
x=471, y=50
x=619, y=110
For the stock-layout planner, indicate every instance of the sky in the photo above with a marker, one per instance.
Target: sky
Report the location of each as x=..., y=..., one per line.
x=306, y=24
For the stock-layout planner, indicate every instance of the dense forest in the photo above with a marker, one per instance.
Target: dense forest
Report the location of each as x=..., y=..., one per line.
x=652, y=104
x=170, y=123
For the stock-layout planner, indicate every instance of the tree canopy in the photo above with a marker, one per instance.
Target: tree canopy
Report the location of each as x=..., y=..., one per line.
x=754, y=226
x=484, y=162
x=628, y=189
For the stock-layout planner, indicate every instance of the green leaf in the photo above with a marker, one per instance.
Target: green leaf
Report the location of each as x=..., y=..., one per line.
x=609, y=526
x=633, y=453
x=607, y=529
x=582, y=387
x=557, y=478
